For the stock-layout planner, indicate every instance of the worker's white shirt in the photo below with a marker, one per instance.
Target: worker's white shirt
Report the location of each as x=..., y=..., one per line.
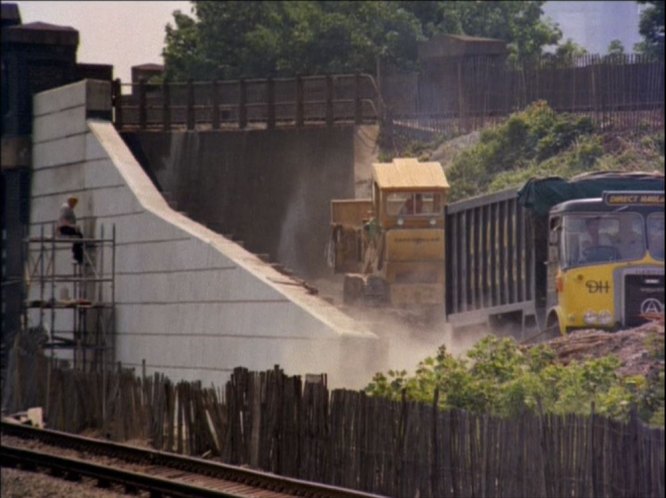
x=67, y=216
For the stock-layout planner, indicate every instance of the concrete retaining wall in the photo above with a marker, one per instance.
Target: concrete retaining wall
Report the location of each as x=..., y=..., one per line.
x=191, y=303
x=269, y=188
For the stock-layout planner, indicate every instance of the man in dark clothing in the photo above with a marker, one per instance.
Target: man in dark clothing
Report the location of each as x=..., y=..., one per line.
x=67, y=227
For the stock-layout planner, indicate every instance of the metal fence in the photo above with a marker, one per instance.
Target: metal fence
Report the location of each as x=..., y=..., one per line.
x=624, y=91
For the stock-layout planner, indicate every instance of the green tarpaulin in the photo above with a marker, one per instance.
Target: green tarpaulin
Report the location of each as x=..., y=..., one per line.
x=540, y=194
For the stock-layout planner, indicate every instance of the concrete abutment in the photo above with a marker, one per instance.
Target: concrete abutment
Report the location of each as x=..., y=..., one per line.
x=190, y=302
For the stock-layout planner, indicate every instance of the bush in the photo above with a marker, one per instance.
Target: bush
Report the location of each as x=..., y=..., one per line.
x=510, y=153
x=497, y=377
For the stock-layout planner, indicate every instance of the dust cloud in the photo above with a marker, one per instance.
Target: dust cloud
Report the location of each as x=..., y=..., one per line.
x=291, y=231
x=405, y=340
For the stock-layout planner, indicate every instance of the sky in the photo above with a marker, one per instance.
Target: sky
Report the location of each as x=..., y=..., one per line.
x=593, y=25
x=129, y=33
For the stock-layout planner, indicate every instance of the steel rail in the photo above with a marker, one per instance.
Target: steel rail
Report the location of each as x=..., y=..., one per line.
x=199, y=466
x=74, y=468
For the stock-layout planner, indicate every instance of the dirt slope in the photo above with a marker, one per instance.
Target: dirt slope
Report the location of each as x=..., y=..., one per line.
x=640, y=350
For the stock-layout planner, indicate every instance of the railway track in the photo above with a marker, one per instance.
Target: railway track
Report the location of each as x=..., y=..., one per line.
x=156, y=472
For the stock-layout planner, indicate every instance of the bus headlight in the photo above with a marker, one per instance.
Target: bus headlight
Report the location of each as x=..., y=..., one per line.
x=591, y=318
x=605, y=317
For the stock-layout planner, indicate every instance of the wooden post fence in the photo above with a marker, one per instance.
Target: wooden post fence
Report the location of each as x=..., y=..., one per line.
x=278, y=423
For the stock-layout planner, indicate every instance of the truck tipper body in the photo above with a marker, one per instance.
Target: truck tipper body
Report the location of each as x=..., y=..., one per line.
x=522, y=258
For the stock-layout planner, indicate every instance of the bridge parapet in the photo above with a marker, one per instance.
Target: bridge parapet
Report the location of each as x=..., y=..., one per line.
x=252, y=103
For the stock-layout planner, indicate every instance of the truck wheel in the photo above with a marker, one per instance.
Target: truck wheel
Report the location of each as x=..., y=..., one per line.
x=352, y=289
x=552, y=330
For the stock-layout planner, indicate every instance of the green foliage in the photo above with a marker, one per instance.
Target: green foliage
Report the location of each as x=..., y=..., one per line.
x=644, y=152
x=497, y=377
x=615, y=53
x=654, y=344
x=565, y=54
x=520, y=24
x=539, y=142
x=654, y=142
x=262, y=39
x=183, y=53
x=651, y=27
x=615, y=47
x=524, y=146
x=653, y=403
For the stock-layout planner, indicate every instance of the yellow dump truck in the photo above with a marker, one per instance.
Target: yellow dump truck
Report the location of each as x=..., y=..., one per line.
x=391, y=247
x=558, y=255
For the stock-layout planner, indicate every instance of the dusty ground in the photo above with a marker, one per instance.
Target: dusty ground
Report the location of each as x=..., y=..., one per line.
x=638, y=348
x=23, y=484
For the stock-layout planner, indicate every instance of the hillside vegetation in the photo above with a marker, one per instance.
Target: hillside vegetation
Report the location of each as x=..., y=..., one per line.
x=539, y=142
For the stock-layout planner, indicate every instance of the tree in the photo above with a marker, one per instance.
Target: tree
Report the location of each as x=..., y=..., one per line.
x=520, y=24
x=183, y=53
x=651, y=27
x=263, y=39
x=615, y=52
x=236, y=39
x=615, y=48
x=566, y=53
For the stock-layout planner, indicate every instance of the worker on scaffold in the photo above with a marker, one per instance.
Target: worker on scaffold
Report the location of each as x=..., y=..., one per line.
x=67, y=227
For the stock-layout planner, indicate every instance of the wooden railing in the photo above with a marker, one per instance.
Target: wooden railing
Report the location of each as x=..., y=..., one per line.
x=240, y=104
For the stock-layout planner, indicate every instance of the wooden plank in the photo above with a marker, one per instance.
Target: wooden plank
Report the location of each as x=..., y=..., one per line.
x=179, y=428
x=169, y=404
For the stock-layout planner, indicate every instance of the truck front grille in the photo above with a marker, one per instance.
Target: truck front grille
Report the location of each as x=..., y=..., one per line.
x=643, y=298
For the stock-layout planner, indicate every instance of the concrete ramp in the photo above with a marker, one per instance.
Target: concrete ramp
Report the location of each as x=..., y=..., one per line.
x=189, y=302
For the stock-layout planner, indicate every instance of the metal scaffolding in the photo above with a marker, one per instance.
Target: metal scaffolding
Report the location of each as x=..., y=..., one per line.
x=74, y=304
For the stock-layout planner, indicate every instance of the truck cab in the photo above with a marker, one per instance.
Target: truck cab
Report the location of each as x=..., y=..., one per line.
x=392, y=245
x=606, y=261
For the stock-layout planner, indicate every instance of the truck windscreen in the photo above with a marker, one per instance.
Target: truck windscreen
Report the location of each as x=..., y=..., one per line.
x=594, y=238
x=413, y=204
